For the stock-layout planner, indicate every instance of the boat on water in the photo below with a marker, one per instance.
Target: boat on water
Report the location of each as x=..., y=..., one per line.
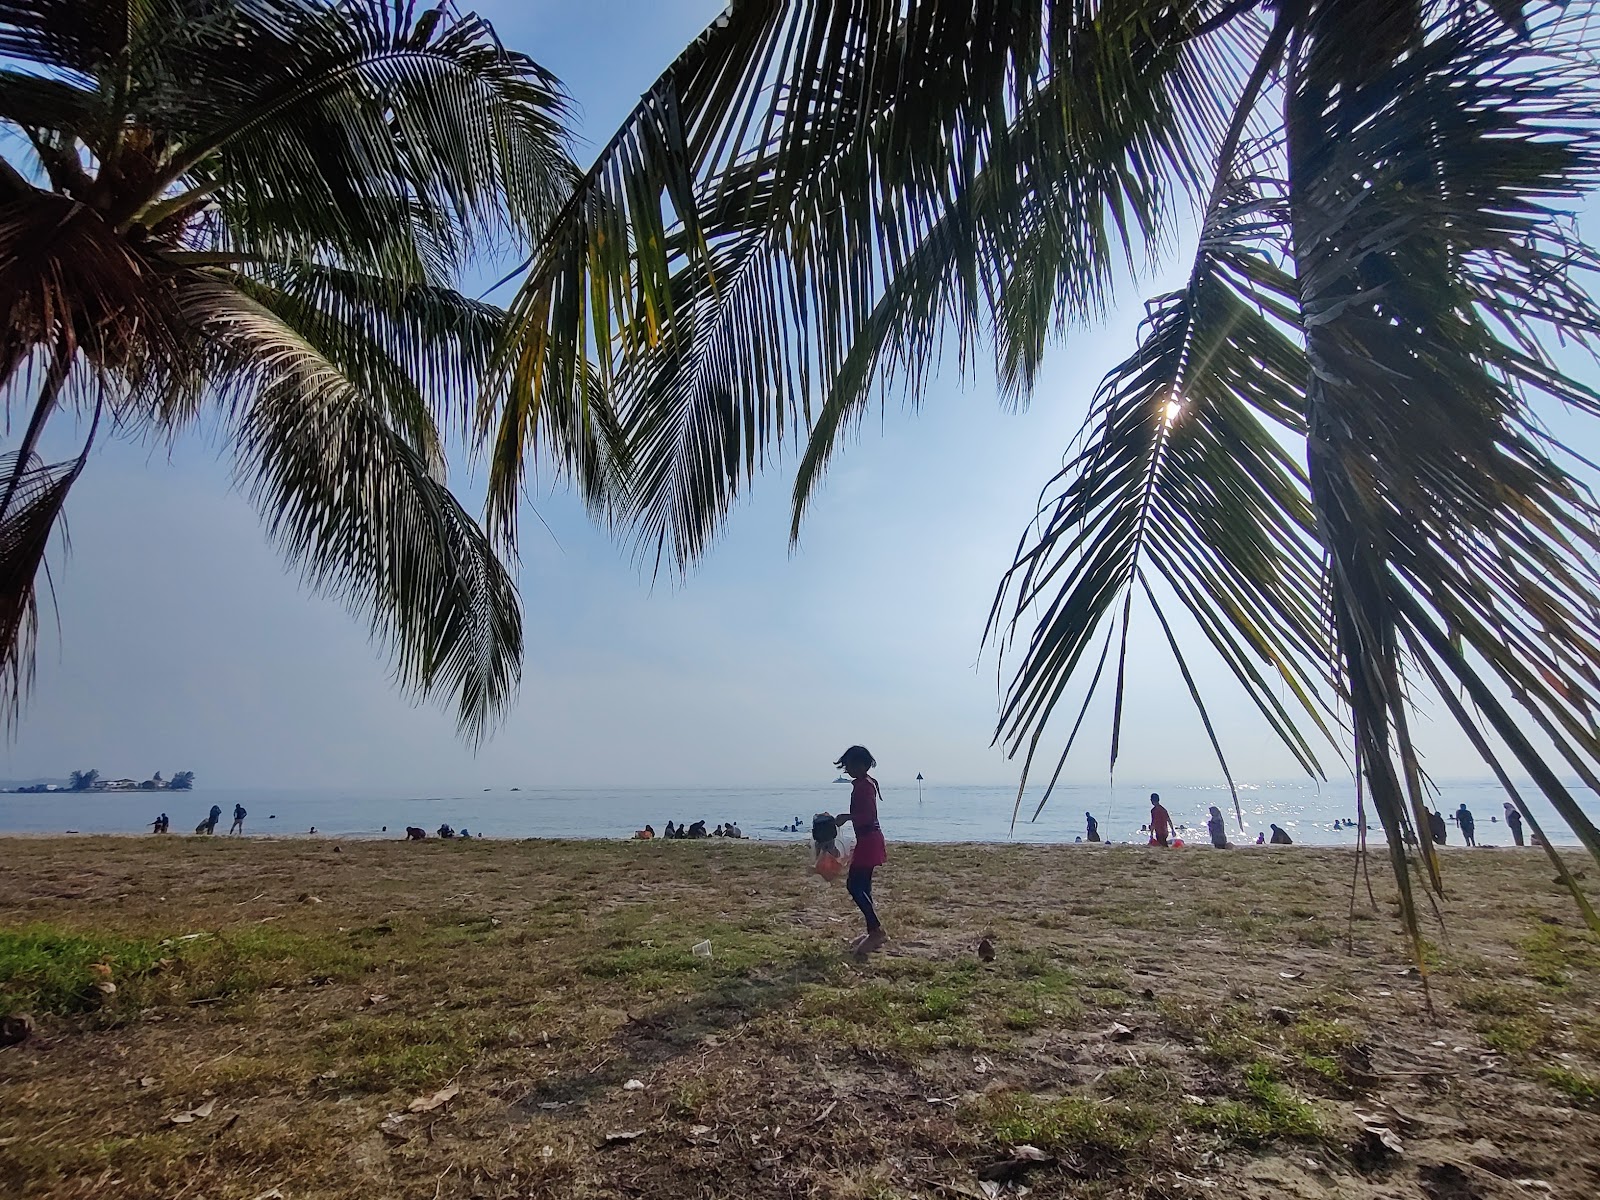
x=843, y=779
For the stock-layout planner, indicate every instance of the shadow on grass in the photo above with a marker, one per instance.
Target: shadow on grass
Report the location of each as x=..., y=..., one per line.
x=658, y=1035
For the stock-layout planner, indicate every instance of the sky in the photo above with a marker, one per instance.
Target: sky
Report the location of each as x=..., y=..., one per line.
x=185, y=643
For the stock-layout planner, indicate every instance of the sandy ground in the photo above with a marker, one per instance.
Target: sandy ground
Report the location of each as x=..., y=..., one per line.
x=529, y=1019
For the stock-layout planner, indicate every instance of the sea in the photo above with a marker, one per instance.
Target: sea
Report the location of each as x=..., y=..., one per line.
x=1321, y=816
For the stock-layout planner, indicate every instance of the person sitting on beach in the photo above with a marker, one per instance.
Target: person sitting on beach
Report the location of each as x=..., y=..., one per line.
x=238, y=820
x=1436, y=828
x=1217, y=828
x=732, y=830
x=1468, y=825
x=1092, y=827
x=717, y=832
x=698, y=830
x=671, y=830
x=445, y=831
x=644, y=835
x=1281, y=838
x=1261, y=838
x=1160, y=821
x=1514, y=822
x=414, y=834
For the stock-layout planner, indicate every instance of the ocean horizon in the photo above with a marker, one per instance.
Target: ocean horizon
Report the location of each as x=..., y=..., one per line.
x=945, y=812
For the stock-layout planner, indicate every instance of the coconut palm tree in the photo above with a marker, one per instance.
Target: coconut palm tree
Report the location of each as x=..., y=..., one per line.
x=82, y=781
x=183, y=781
x=1328, y=447
x=256, y=212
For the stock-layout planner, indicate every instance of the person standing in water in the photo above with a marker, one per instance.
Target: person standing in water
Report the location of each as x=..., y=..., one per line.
x=871, y=850
x=1514, y=822
x=1468, y=825
x=1160, y=820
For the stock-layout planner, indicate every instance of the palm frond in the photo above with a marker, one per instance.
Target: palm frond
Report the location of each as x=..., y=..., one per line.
x=1183, y=478
x=733, y=244
x=367, y=516
x=1433, y=263
x=349, y=123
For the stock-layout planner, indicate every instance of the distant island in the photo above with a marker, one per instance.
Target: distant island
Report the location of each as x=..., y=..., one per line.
x=90, y=781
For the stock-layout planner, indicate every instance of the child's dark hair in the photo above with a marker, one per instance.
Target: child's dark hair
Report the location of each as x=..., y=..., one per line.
x=856, y=754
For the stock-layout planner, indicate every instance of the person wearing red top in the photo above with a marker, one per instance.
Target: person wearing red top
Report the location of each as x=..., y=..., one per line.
x=870, y=849
x=1160, y=820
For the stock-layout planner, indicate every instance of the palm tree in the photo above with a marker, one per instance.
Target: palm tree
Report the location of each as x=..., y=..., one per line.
x=1327, y=446
x=183, y=781
x=258, y=210
x=82, y=781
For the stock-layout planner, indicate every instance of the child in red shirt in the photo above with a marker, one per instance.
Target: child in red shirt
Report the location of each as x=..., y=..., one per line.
x=870, y=850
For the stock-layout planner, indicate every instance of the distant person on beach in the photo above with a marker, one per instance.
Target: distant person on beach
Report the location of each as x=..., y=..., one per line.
x=1160, y=821
x=1514, y=821
x=645, y=834
x=1217, y=828
x=1468, y=824
x=159, y=825
x=698, y=830
x=238, y=820
x=414, y=834
x=1436, y=828
x=1261, y=838
x=717, y=832
x=871, y=851
x=1280, y=837
x=1091, y=827
x=732, y=830
x=209, y=825
x=445, y=831
x=670, y=831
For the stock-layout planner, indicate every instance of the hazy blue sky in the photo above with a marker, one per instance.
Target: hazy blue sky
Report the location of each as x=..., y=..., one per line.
x=185, y=643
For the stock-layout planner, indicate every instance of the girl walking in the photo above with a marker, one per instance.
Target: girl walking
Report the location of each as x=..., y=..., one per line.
x=870, y=852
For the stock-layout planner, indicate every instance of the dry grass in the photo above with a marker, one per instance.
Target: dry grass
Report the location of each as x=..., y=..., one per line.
x=1177, y=1024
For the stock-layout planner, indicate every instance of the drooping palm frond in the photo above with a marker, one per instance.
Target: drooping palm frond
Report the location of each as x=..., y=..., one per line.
x=1183, y=479
x=1432, y=265
x=733, y=249
x=364, y=511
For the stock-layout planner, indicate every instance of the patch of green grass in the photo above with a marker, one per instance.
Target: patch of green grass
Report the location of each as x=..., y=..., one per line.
x=1552, y=953
x=1269, y=1111
x=1021, y=1020
x=1585, y=1089
x=1515, y=1035
x=379, y=1052
x=1073, y=1124
x=44, y=969
x=940, y=1004
x=1495, y=1000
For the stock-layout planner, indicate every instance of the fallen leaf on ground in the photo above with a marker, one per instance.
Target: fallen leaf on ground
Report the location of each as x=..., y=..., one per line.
x=424, y=1104
x=1290, y=974
x=633, y=1085
x=193, y=1114
x=1119, y=1032
x=394, y=1126
x=376, y=999
x=622, y=1135
x=147, y=1081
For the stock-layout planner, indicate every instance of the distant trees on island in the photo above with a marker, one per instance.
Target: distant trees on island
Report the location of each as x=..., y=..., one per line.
x=90, y=781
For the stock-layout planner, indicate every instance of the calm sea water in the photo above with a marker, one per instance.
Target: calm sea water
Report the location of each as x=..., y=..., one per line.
x=942, y=814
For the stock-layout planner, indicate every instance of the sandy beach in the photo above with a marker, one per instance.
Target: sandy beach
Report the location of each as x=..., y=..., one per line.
x=516, y=1019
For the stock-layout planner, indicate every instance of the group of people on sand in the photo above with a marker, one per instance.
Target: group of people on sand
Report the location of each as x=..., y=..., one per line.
x=680, y=830
x=163, y=823
x=1439, y=831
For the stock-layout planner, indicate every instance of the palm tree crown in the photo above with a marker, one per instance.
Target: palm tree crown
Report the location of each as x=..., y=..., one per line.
x=1326, y=447
x=262, y=206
